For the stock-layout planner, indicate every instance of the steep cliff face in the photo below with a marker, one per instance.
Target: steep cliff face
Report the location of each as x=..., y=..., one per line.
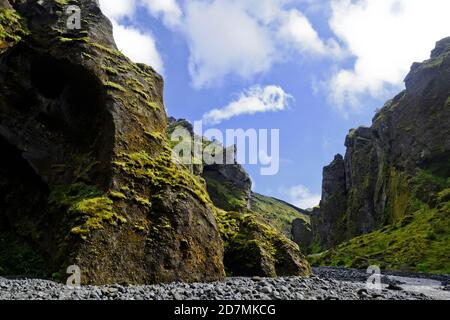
x=86, y=176
x=254, y=227
x=334, y=195
x=228, y=184
x=301, y=232
x=396, y=170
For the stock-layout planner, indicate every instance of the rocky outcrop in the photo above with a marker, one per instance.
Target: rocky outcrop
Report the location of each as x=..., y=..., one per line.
x=254, y=247
x=253, y=227
x=334, y=196
x=302, y=234
x=86, y=176
x=398, y=166
x=228, y=184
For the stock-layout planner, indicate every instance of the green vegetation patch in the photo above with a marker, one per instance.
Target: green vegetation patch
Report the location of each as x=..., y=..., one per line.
x=417, y=241
x=226, y=195
x=399, y=196
x=253, y=247
x=95, y=212
x=426, y=187
x=87, y=208
x=276, y=212
x=433, y=63
x=114, y=86
x=110, y=70
x=160, y=172
x=75, y=39
x=11, y=27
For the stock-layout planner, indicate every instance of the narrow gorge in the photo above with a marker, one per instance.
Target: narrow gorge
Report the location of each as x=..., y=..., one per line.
x=89, y=177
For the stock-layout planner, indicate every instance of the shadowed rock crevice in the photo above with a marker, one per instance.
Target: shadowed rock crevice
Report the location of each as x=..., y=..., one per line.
x=19, y=184
x=54, y=116
x=56, y=111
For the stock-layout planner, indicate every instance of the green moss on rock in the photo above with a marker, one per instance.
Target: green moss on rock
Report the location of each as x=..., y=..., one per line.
x=253, y=247
x=86, y=207
x=161, y=172
x=94, y=213
x=74, y=39
x=399, y=196
x=12, y=28
x=114, y=86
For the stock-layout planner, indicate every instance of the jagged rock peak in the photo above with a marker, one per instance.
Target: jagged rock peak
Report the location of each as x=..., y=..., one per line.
x=442, y=46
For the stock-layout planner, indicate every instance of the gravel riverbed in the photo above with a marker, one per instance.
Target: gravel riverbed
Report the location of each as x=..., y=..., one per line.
x=326, y=283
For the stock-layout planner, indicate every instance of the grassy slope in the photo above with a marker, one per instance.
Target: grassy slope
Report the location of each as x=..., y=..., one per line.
x=419, y=242
x=276, y=212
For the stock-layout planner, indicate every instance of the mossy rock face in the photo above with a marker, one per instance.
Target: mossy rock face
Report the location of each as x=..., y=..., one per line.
x=87, y=177
x=228, y=184
x=394, y=177
x=256, y=241
x=253, y=247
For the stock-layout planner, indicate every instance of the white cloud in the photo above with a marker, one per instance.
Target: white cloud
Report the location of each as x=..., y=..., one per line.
x=168, y=9
x=118, y=9
x=245, y=38
x=225, y=39
x=242, y=38
x=138, y=46
x=385, y=37
x=254, y=100
x=135, y=44
x=265, y=11
x=301, y=197
x=297, y=30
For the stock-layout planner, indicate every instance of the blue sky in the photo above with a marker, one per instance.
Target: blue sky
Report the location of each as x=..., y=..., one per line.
x=333, y=62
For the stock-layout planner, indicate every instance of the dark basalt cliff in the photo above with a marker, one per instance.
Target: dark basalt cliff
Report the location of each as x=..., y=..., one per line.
x=394, y=177
x=87, y=175
x=252, y=226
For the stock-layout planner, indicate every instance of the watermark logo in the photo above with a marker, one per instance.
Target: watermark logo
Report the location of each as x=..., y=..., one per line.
x=74, y=19
x=253, y=147
x=74, y=280
x=374, y=280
